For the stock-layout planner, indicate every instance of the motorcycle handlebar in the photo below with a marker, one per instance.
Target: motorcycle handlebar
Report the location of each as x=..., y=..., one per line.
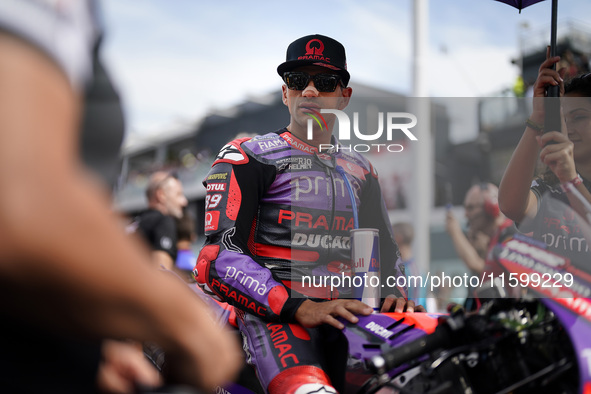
x=397, y=356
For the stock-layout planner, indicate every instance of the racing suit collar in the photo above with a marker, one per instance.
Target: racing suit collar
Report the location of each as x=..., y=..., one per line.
x=297, y=143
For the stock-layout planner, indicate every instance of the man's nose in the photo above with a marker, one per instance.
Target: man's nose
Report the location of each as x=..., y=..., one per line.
x=310, y=90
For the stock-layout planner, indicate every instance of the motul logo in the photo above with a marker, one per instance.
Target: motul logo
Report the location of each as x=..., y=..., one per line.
x=216, y=187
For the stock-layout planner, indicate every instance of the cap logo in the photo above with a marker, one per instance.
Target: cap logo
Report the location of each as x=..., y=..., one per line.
x=314, y=50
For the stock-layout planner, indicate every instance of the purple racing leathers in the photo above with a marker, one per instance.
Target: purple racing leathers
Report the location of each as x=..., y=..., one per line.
x=278, y=211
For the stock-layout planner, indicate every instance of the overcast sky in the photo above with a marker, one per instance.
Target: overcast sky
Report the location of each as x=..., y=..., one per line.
x=176, y=60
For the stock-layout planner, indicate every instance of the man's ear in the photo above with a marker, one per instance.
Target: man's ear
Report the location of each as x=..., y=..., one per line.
x=284, y=94
x=346, y=97
x=160, y=195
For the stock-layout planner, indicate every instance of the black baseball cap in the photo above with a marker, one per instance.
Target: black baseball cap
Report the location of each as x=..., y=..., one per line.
x=316, y=50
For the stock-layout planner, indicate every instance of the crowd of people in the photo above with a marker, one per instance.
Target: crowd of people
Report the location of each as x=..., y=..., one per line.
x=81, y=296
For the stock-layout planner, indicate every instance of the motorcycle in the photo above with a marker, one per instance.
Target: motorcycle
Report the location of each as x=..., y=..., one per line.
x=536, y=342
x=539, y=341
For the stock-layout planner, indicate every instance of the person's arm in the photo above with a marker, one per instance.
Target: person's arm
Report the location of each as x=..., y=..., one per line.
x=516, y=200
x=161, y=258
x=64, y=260
x=123, y=367
x=373, y=214
x=559, y=157
x=225, y=265
x=466, y=252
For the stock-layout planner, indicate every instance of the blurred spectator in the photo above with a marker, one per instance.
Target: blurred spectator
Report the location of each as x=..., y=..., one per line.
x=485, y=223
x=572, y=64
x=157, y=224
x=186, y=236
x=442, y=296
x=566, y=153
x=404, y=235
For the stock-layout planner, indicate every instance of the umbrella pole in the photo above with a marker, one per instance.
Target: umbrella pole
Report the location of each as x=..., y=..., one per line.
x=553, y=28
x=552, y=103
x=553, y=91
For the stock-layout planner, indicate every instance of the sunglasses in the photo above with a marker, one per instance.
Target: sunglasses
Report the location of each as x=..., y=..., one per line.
x=298, y=80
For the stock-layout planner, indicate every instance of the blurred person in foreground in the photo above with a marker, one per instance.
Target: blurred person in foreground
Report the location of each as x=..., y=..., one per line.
x=567, y=156
x=267, y=228
x=485, y=224
x=69, y=276
x=157, y=225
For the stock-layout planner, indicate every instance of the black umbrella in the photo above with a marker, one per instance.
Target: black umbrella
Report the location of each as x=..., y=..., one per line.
x=520, y=4
x=552, y=121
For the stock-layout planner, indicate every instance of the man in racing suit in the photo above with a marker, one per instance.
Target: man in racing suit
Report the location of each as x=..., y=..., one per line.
x=278, y=210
